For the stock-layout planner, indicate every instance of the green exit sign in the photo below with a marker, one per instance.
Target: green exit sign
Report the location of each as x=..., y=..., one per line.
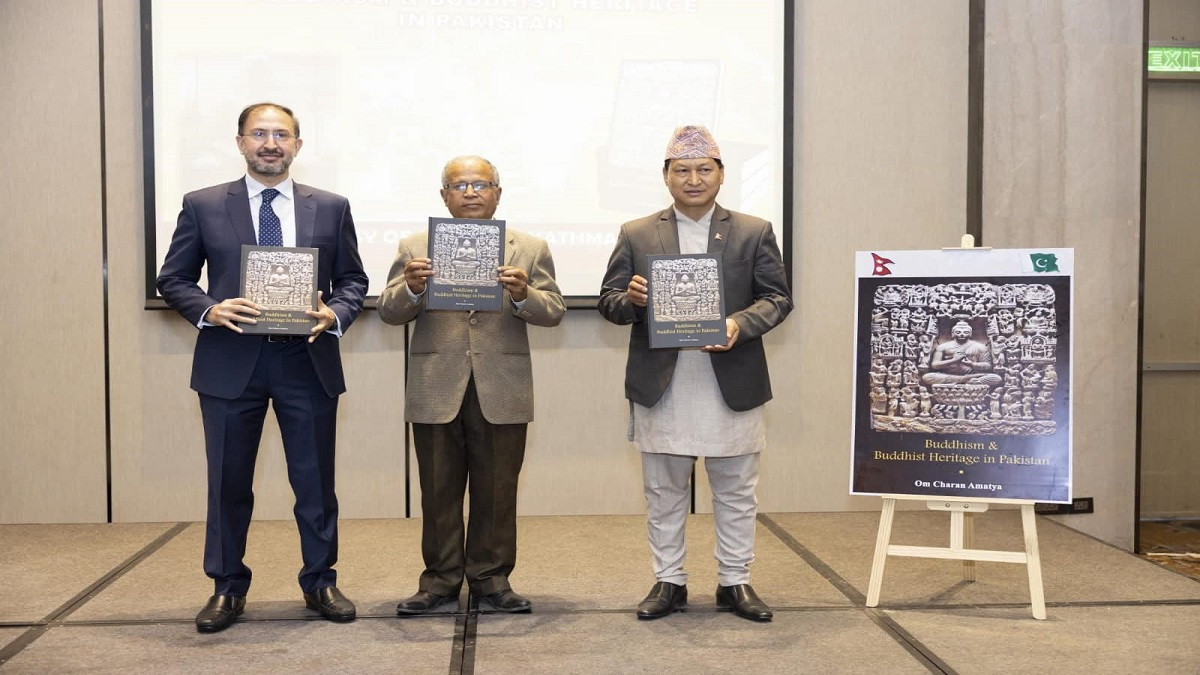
x=1173, y=60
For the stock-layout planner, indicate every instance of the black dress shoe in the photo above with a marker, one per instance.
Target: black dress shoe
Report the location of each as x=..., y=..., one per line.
x=332, y=605
x=422, y=602
x=743, y=601
x=219, y=613
x=665, y=597
x=508, y=600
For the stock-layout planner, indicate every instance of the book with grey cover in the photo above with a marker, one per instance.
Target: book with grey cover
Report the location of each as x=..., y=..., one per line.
x=686, y=307
x=283, y=282
x=465, y=254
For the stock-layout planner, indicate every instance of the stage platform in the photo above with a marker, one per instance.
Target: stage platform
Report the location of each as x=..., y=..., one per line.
x=121, y=598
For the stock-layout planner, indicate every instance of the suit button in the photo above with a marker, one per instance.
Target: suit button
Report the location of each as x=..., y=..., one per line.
x=468, y=352
x=474, y=321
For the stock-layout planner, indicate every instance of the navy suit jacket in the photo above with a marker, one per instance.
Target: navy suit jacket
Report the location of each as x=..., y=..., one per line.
x=756, y=297
x=212, y=226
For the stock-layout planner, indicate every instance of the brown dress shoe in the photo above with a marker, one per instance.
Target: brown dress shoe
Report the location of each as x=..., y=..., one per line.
x=219, y=613
x=332, y=605
x=664, y=598
x=743, y=601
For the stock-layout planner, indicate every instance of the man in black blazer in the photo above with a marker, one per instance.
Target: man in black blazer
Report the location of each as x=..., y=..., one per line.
x=236, y=375
x=708, y=403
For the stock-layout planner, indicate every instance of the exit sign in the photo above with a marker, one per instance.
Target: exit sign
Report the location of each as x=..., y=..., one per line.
x=1173, y=60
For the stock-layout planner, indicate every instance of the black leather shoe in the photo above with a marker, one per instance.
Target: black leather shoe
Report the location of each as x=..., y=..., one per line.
x=665, y=597
x=332, y=605
x=219, y=613
x=743, y=601
x=508, y=600
x=422, y=602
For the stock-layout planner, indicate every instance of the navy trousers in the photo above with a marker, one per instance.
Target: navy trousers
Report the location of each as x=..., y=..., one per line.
x=307, y=418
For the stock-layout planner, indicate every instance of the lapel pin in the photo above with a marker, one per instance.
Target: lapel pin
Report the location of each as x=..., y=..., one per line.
x=717, y=236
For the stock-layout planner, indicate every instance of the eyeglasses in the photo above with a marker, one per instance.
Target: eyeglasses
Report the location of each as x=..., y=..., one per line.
x=260, y=135
x=478, y=186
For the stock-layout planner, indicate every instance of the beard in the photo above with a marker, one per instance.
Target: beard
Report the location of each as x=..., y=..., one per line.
x=265, y=169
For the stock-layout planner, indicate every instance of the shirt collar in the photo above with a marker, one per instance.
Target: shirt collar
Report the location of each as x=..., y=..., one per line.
x=254, y=188
x=704, y=220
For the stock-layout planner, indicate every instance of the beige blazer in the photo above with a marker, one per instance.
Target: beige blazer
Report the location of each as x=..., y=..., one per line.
x=447, y=347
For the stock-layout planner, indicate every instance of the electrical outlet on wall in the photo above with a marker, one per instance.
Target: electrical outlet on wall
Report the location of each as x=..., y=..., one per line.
x=1077, y=505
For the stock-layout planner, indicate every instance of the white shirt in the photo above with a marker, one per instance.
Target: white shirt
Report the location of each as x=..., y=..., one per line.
x=284, y=206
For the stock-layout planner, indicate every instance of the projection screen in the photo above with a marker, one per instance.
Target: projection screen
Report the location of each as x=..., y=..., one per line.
x=573, y=100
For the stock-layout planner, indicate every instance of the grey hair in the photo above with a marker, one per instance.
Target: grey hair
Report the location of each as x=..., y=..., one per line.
x=446, y=168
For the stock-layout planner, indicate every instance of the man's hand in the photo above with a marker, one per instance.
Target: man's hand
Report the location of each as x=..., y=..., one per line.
x=416, y=273
x=637, y=291
x=325, y=317
x=731, y=336
x=515, y=280
x=229, y=313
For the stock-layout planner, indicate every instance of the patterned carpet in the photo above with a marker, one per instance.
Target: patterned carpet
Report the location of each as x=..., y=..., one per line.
x=1174, y=544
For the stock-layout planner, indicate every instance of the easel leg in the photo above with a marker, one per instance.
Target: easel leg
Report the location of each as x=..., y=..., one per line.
x=956, y=530
x=881, y=546
x=1033, y=562
x=968, y=542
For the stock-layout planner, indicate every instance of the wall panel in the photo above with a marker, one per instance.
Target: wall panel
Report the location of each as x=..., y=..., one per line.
x=1062, y=152
x=1170, y=463
x=53, y=468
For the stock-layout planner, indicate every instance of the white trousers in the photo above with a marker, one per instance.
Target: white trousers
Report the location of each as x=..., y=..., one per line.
x=732, y=480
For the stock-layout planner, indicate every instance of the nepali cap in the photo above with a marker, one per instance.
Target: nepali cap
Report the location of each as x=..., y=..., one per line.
x=692, y=142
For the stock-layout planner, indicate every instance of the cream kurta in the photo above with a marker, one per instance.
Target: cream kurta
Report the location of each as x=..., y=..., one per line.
x=692, y=418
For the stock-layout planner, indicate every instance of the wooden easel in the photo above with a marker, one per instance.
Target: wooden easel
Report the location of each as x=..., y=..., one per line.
x=962, y=532
x=962, y=537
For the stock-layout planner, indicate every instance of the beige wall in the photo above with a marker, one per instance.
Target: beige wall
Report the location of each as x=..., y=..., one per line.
x=1062, y=153
x=880, y=162
x=52, y=458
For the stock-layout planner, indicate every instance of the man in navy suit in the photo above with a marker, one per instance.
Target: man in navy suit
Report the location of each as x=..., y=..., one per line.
x=237, y=375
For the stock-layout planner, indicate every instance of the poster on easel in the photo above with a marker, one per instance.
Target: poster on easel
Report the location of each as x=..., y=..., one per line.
x=962, y=378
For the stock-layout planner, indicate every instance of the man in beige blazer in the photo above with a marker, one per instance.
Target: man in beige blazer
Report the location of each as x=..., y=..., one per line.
x=469, y=397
